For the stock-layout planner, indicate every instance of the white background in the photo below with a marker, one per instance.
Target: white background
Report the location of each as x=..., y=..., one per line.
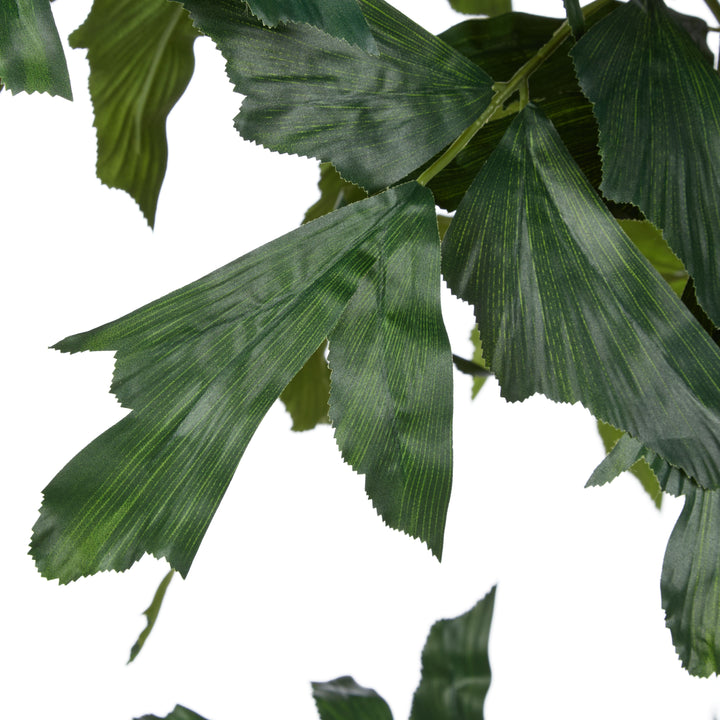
x=298, y=579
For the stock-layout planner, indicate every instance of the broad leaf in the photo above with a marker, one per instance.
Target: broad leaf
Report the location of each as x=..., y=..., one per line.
x=31, y=55
x=344, y=699
x=151, y=615
x=657, y=102
x=568, y=307
x=456, y=667
x=341, y=18
x=201, y=367
x=178, y=713
x=152, y=42
x=376, y=118
x=482, y=7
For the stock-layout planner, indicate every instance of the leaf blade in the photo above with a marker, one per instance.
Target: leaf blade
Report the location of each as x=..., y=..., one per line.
x=344, y=699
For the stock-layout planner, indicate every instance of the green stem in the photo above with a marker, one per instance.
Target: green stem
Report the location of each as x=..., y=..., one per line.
x=714, y=7
x=505, y=90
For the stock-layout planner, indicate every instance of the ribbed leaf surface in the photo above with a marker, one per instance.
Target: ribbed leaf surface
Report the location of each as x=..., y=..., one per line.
x=375, y=117
x=31, y=55
x=201, y=367
x=341, y=18
x=344, y=699
x=657, y=102
x=568, y=307
x=456, y=667
x=141, y=60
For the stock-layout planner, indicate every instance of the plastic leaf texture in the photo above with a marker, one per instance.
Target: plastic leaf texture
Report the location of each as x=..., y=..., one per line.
x=375, y=117
x=657, y=102
x=344, y=699
x=568, y=307
x=456, y=667
x=31, y=55
x=152, y=41
x=201, y=367
x=340, y=18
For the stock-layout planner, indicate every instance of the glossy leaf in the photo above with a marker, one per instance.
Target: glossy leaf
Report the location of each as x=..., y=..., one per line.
x=201, y=367
x=178, y=713
x=568, y=307
x=657, y=102
x=482, y=7
x=456, y=667
x=31, y=55
x=340, y=18
x=307, y=396
x=376, y=118
x=152, y=42
x=344, y=699
x=151, y=615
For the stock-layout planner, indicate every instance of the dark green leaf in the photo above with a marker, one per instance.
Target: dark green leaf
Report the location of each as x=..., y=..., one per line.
x=152, y=615
x=341, y=18
x=657, y=102
x=575, y=17
x=141, y=60
x=307, y=395
x=376, y=118
x=201, y=367
x=31, y=55
x=568, y=307
x=456, y=667
x=179, y=713
x=482, y=7
x=640, y=469
x=344, y=699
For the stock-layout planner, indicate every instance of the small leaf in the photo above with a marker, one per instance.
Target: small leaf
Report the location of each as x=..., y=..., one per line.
x=151, y=42
x=340, y=18
x=657, y=102
x=482, y=7
x=201, y=367
x=179, y=713
x=307, y=92
x=307, y=396
x=456, y=667
x=478, y=359
x=575, y=17
x=344, y=699
x=31, y=55
x=152, y=615
x=568, y=307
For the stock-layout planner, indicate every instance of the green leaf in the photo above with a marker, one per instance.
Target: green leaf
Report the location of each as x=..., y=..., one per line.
x=307, y=396
x=344, y=699
x=568, y=307
x=478, y=359
x=152, y=615
x=141, y=60
x=340, y=18
x=575, y=17
x=640, y=469
x=482, y=7
x=201, y=367
x=308, y=93
x=657, y=102
x=179, y=713
x=456, y=667
x=31, y=55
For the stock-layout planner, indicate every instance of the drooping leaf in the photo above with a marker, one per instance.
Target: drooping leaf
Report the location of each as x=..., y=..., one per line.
x=575, y=17
x=307, y=396
x=31, y=55
x=201, y=367
x=568, y=307
x=340, y=18
x=376, y=118
x=178, y=713
x=152, y=42
x=640, y=469
x=151, y=614
x=456, y=666
x=344, y=699
x=482, y=7
x=657, y=102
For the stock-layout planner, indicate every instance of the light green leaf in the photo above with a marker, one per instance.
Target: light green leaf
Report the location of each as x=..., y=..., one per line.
x=344, y=699
x=482, y=7
x=307, y=396
x=340, y=18
x=179, y=713
x=201, y=367
x=308, y=93
x=478, y=359
x=456, y=666
x=657, y=102
x=575, y=17
x=31, y=55
x=151, y=614
x=568, y=307
x=141, y=60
